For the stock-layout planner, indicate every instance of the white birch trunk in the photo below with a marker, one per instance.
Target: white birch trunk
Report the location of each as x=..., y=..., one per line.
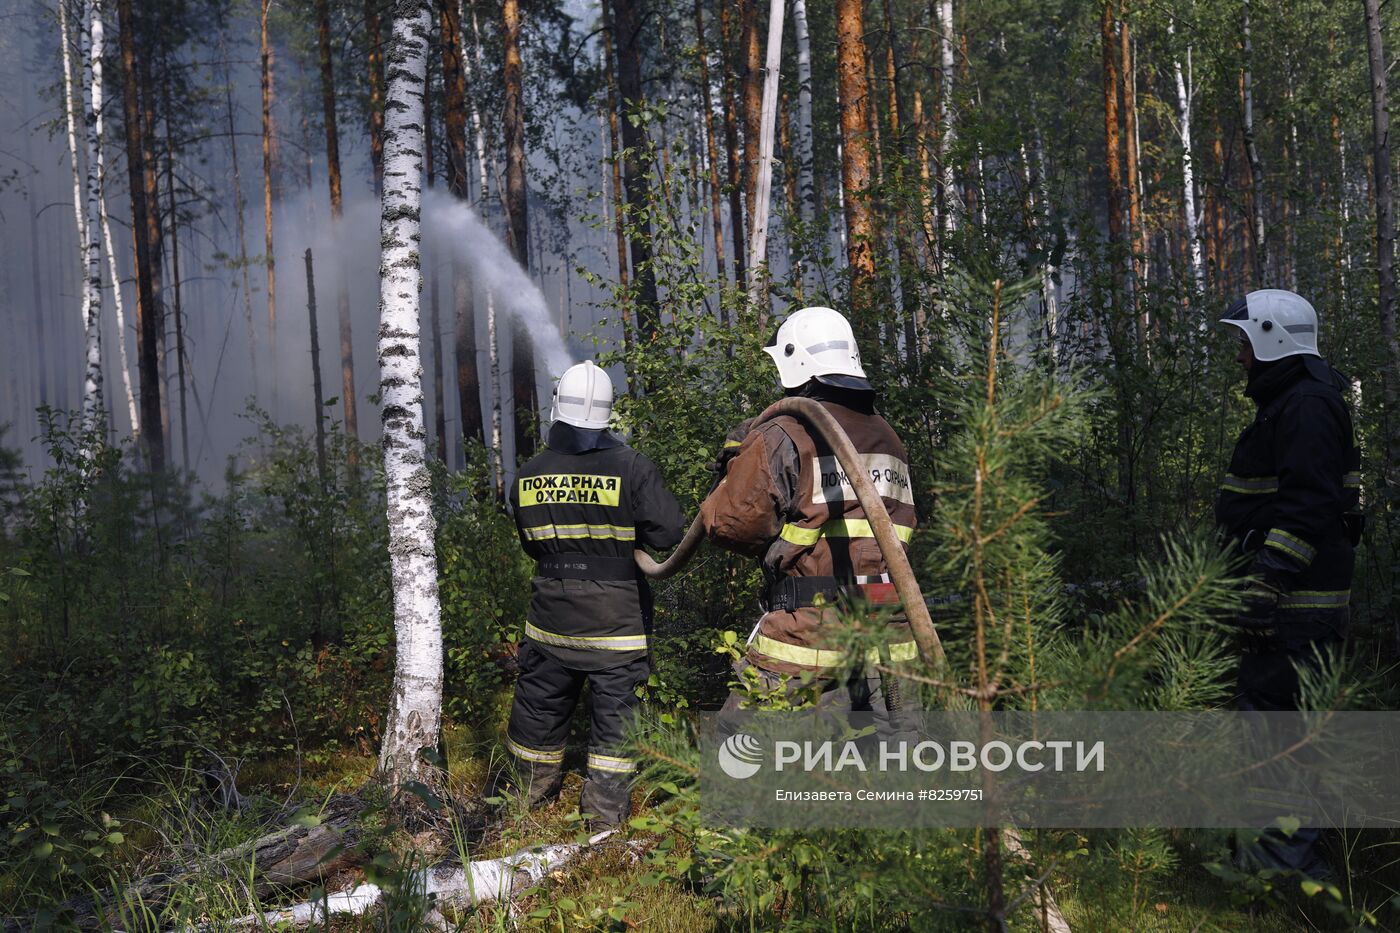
x=92, y=246
x=416, y=702
x=494, y=389
x=806, y=183
x=1185, y=91
x=70, y=110
x=115, y=276
x=945, y=141
x=763, y=186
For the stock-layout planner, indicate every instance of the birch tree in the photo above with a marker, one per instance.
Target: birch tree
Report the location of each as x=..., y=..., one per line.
x=1185, y=93
x=763, y=182
x=92, y=304
x=806, y=184
x=948, y=129
x=416, y=701
x=69, y=111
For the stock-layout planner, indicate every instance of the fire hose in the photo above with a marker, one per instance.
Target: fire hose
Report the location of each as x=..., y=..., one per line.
x=901, y=573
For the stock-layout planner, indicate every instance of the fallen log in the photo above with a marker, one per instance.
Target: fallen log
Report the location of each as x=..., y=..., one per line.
x=290, y=856
x=454, y=886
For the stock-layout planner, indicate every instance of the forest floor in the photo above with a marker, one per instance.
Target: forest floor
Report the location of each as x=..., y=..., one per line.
x=611, y=890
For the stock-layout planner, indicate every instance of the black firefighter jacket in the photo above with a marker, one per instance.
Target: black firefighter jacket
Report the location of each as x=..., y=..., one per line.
x=581, y=507
x=1294, y=475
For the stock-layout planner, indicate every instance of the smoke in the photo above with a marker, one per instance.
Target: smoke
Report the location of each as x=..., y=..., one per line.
x=234, y=352
x=452, y=227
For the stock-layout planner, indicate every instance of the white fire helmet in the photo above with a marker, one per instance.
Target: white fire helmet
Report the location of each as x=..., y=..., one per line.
x=583, y=397
x=1277, y=323
x=817, y=342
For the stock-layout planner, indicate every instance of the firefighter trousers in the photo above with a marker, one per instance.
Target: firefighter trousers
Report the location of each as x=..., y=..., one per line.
x=545, y=698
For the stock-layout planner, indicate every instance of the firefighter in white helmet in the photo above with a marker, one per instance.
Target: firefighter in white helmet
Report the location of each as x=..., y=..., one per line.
x=1288, y=500
x=785, y=500
x=581, y=507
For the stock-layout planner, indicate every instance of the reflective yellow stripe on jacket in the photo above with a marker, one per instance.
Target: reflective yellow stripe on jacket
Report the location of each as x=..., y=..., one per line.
x=1249, y=485
x=826, y=658
x=596, y=532
x=838, y=528
x=1315, y=599
x=636, y=642
x=1290, y=544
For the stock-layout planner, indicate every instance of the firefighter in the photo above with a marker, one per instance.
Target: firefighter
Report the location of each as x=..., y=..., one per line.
x=1289, y=501
x=581, y=507
x=784, y=499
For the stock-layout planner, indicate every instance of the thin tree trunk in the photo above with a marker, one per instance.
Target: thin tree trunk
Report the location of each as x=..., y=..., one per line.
x=93, y=415
x=238, y=206
x=454, y=81
x=1256, y=168
x=347, y=346
x=731, y=139
x=1048, y=269
x=926, y=145
x=493, y=349
x=702, y=53
x=175, y=274
x=373, y=41
x=1185, y=91
x=146, y=319
x=619, y=208
x=855, y=165
x=1136, y=238
x=416, y=705
x=317, y=397
x=628, y=37
x=752, y=98
x=945, y=110
x=518, y=227
x=70, y=109
x=269, y=255
x=1115, y=307
x=430, y=263
x=806, y=183
x=153, y=231
x=763, y=166
x=1113, y=158
x=1385, y=239
x=71, y=102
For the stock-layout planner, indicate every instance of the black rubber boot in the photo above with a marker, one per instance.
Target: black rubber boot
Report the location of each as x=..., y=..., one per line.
x=534, y=784
x=542, y=782
x=606, y=800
